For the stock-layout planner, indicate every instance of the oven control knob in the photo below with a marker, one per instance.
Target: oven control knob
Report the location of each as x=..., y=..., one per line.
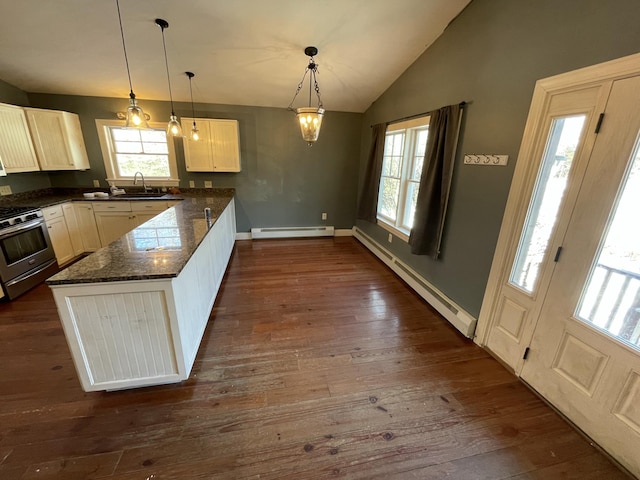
x=31, y=216
x=17, y=220
x=5, y=224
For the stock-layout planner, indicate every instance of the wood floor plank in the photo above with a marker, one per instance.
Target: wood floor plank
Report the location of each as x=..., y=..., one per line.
x=317, y=362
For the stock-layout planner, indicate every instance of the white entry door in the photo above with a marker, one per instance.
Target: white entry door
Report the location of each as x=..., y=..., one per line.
x=584, y=355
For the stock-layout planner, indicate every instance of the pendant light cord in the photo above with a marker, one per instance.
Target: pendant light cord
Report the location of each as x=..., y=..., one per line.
x=193, y=110
x=166, y=63
x=124, y=47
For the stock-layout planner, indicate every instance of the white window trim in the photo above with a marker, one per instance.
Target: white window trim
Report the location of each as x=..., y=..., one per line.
x=407, y=163
x=107, y=156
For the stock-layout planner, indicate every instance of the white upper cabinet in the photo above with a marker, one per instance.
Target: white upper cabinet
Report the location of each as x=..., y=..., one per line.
x=218, y=149
x=16, y=148
x=57, y=138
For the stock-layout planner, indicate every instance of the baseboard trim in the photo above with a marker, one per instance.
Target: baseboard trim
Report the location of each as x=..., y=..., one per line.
x=460, y=319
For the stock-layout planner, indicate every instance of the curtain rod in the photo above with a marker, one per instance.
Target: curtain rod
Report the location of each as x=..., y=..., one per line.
x=462, y=104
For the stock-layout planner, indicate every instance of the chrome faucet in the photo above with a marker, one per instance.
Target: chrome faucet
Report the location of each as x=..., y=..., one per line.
x=144, y=185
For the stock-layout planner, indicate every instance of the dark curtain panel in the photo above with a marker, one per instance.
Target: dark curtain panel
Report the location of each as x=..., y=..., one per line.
x=368, y=206
x=435, y=182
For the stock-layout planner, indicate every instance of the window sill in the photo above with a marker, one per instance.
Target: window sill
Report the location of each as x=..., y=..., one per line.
x=404, y=236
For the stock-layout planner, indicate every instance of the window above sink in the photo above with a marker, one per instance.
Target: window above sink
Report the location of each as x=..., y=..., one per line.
x=126, y=151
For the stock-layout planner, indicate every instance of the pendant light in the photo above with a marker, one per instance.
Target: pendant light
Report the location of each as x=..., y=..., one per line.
x=173, y=127
x=135, y=117
x=195, y=133
x=309, y=118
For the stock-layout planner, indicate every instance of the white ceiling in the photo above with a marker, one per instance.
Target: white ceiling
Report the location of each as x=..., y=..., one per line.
x=243, y=52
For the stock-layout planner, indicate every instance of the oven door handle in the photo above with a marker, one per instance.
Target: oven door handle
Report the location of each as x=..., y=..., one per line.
x=19, y=228
x=30, y=274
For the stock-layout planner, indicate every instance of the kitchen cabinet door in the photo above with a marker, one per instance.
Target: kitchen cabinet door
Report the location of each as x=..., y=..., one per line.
x=218, y=149
x=143, y=211
x=87, y=226
x=197, y=155
x=16, y=147
x=58, y=140
x=113, y=219
x=113, y=225
x=58, y=234
x=225, y=145
x=70, y=218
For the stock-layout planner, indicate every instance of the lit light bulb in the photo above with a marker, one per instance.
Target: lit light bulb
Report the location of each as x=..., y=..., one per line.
x=173, y=128
x=195, y=134
x=135, y=117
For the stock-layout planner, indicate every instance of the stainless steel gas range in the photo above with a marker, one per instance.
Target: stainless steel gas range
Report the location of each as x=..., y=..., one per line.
x=26, y=255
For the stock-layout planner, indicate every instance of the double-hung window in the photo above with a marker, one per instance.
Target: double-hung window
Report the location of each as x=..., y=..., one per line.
x=126, y=151
x=404, y=148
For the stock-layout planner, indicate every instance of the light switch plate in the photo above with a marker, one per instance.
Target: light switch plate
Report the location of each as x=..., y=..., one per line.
x=208, y=184
x=192, y=184
x=5, y=190
x=96, y=183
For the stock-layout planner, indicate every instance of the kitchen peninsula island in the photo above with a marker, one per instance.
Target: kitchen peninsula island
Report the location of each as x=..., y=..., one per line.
x=134, y=312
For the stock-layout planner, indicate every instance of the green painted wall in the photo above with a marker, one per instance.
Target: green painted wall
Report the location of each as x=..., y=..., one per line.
x=283, y=181
x=491, y=56
x=20, y=182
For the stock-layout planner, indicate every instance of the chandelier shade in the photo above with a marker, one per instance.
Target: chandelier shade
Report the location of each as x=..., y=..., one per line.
x=310, y=118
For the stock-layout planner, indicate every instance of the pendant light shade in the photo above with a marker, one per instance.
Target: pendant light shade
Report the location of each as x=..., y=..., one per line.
x=173, y=127
x=309, y=118
x=135, y=117
x=194, y=135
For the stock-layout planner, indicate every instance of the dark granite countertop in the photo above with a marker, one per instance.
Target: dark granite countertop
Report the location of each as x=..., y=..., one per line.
x=55, y=196
x=159, y=248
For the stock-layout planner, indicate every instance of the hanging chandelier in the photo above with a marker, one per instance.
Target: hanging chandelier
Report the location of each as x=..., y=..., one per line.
x=173, y=127
x=134, y=116
x=309, y=118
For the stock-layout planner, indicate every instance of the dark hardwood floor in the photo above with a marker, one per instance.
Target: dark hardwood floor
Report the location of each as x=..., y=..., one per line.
x=318, y=362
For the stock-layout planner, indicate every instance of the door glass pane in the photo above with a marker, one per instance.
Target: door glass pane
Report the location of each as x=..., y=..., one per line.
x=545, y=203
x=611, y=298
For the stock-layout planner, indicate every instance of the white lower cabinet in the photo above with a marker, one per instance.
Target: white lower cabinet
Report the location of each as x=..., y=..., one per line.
x=79, y=227
x=113, y=220
x=87, y=226
x=143, y=211
x=75, y=234
x=116, y=218
x=154, y=327
x=59, y=234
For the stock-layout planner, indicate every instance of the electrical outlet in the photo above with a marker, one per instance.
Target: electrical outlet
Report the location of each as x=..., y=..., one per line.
x=208, y=184
x=390, y=238
x=324, y=215
x=192, y=184
x=5, y=190
x=96, y=183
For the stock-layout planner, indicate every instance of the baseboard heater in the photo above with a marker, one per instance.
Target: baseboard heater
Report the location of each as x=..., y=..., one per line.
x=460, y=319
x=292, y=232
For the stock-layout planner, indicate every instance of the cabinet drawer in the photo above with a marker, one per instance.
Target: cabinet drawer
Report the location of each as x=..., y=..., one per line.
x=109, y=206
x=150, y=206
x=52, y=212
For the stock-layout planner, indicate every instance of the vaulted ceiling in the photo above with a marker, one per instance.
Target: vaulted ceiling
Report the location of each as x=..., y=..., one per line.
x=243, y=52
